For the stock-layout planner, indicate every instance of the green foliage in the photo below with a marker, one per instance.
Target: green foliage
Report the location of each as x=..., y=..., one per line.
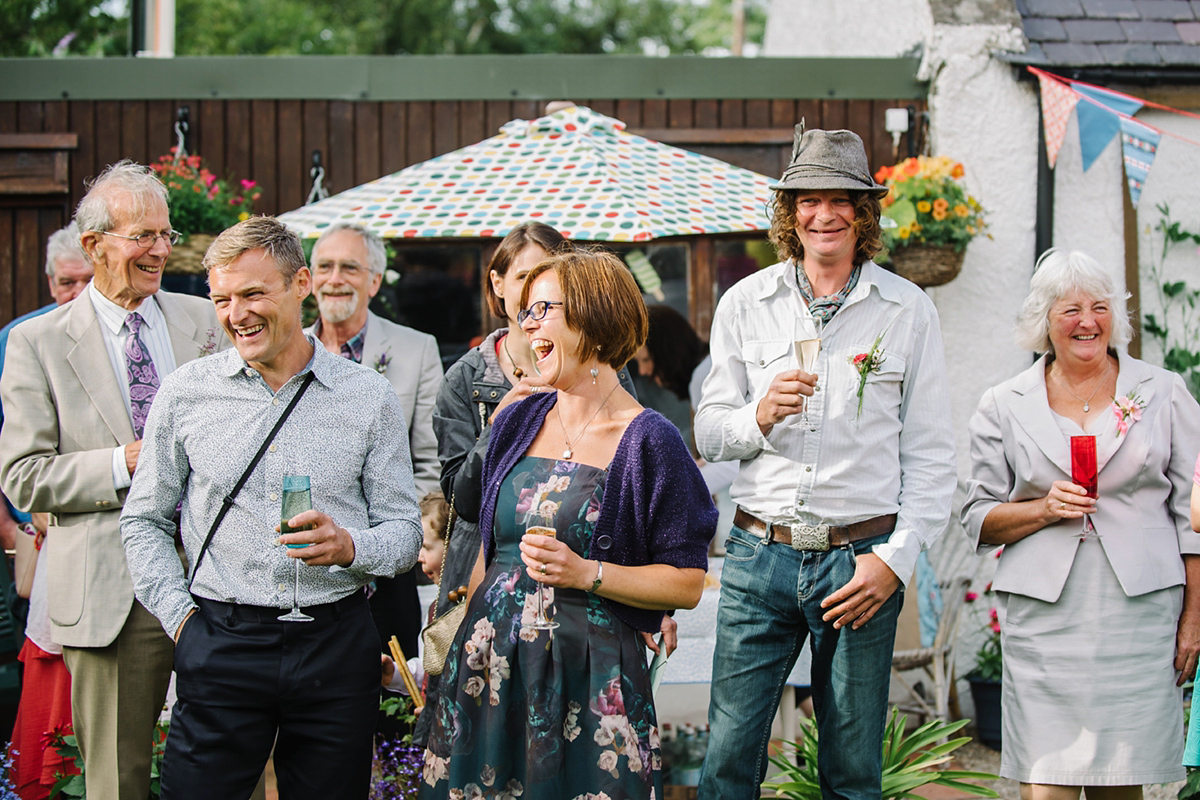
x=1178, y=331
x=1191, y=787
x=40, y=28
x=909, y=761
x=397, y=27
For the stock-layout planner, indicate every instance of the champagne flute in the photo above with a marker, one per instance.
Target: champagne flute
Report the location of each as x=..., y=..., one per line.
x=297, y=498
x=542, y=524
x=1083, y=472
x=807, y=351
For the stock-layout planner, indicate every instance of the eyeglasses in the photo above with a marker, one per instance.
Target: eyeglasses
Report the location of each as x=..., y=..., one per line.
x=147, y=240
x=537, y=311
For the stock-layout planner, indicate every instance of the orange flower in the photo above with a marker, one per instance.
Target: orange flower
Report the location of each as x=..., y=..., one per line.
x=961, y=210
x=888, y=200
x=883, y=174
x=940, y=204
x=957, y=172
x=923, y=206
x=939, y=213
x=912, y=166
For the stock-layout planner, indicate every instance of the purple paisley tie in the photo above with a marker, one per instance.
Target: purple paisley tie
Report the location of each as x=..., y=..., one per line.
x=143, y=377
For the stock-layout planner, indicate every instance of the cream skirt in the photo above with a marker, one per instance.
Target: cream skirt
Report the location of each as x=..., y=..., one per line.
x=1089, y=683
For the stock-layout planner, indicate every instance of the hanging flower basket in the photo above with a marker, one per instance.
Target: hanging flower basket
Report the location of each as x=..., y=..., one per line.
x=927, y=265
x=186, y=256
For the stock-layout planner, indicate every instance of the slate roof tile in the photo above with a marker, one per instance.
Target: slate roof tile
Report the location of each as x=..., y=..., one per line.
x=1044, y=29
x=1124, y=9
x=1094, y=30
x=1072, y=53
x=1166, y=9
x=1054, y=8
x=1141, y=54
x=1181, y=54
x=1150, y=31
x=1188, y=31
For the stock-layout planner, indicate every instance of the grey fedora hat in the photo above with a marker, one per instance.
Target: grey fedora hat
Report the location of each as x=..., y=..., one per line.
x=829, y=160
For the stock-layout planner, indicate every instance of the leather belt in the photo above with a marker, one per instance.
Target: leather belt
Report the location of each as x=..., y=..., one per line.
x=815, y=537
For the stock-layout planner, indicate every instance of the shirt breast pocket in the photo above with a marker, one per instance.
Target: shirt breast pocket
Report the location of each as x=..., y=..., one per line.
x=764, y=359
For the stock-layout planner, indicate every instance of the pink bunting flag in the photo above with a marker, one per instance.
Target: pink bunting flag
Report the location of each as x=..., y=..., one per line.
x=1058, y=101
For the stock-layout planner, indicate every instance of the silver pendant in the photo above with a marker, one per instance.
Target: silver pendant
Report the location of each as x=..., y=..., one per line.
x=567, y=454
x=1086, y=408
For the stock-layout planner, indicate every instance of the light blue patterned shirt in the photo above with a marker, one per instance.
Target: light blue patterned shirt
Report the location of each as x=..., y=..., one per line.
x=348, y=433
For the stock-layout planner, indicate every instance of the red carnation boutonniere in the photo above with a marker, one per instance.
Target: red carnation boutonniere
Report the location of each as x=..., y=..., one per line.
x=865, y=364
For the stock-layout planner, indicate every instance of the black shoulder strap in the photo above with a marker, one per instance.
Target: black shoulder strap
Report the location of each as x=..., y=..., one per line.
x=228, y=502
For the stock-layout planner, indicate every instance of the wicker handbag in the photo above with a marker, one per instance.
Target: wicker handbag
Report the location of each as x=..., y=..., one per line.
x=439, y=634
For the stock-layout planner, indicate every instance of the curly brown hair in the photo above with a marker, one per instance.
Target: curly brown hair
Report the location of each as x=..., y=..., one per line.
x=867, y=211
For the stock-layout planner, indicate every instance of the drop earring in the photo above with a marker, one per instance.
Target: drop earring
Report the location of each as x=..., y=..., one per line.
x=595, y=372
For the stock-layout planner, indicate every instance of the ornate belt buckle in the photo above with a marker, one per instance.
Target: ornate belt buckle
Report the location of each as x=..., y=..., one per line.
x=810, y=537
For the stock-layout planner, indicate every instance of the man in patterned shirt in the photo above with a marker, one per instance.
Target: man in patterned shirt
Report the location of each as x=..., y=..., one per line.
x=246, y=679
x=836, y=503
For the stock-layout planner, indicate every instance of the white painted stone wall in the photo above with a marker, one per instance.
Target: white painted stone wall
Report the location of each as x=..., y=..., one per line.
x=812, y=28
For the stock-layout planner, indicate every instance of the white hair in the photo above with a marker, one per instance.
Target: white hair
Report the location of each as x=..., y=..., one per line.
x=376, y=253
x=134, y=186
x=1057, y=274
x=64, y=244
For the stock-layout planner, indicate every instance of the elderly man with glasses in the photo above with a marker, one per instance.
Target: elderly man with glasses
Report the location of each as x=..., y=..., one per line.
x=77, y=385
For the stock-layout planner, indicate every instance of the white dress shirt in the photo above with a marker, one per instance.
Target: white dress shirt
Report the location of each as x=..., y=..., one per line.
x=896, y=457
x=155, y=338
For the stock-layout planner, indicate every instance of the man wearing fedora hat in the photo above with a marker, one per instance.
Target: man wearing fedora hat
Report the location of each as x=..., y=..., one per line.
x=846, y=473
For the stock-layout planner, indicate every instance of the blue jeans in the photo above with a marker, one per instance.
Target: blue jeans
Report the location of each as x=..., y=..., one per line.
x=770, y=602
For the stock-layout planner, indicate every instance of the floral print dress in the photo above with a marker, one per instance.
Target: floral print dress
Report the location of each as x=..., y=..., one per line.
x=554, y=715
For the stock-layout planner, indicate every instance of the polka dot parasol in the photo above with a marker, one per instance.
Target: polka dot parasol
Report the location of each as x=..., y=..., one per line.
x=575, y=169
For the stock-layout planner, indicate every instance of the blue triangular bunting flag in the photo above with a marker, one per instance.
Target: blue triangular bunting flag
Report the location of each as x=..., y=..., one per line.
x=1099, y=120
x=1139, y=145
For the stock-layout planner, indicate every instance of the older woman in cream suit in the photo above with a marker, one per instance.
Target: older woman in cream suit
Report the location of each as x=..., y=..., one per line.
x=1098, y=631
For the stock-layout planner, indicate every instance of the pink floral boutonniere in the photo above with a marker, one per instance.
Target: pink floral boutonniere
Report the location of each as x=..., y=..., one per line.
x=865, y=364
x=1128, y=410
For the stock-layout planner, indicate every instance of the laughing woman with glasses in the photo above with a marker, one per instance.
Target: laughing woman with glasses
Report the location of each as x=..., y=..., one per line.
x=490, y=377
x=561, y=708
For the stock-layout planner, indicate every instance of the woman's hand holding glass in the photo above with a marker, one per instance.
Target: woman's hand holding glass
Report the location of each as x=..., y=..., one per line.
x=564, y=568
x=1067, y=500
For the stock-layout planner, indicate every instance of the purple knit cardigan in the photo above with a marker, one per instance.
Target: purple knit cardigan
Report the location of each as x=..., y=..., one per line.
x=656, y=508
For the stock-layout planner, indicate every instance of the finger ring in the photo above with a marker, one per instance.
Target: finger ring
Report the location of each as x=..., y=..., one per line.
x=535, y=389
x=1062, y=505
x=543, y=569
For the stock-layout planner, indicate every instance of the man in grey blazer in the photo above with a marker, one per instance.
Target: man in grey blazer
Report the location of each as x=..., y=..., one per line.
x=76, y=387
x=348, y=262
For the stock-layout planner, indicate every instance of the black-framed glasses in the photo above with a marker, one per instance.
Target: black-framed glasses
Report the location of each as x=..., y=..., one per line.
x=537, y=311
x=147, y=240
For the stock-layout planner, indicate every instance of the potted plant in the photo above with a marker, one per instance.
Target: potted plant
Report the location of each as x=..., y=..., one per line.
x=909, y=761
x=202, y=205
x=986, y=675
x=932, y=218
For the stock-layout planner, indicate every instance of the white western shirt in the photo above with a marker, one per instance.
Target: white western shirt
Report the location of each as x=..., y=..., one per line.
x=896, y=457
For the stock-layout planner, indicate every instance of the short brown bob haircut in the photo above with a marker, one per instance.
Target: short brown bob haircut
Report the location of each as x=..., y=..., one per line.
x=527, y=233
x=867, y=211
x=600, y=300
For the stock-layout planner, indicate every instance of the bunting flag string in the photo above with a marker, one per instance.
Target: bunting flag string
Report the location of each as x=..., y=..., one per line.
x=1101, y=116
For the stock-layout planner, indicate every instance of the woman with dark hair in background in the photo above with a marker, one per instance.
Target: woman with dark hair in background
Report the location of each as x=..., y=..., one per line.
x=665, y=366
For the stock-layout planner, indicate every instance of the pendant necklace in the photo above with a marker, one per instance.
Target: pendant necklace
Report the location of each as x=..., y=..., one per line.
x=518, y=373
x=1087, y=404
x=569, y=452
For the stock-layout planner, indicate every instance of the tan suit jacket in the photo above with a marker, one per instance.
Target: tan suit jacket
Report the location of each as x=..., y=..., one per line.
x=1145, y=481
x=414, y=369
x=64, y=414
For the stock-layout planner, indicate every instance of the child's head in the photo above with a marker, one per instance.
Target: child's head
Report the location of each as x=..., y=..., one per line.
x=435, y=512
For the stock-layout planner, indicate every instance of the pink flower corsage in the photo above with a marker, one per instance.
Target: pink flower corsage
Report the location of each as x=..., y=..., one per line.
x=1128, y=410
x=864, y=364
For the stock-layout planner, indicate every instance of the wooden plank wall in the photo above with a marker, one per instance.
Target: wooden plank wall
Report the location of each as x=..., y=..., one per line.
x=272, y=142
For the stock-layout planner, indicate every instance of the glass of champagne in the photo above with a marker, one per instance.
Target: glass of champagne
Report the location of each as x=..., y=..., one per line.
x=297, y=498
x=542, y=524
x=1083, y=472
x=807, y=351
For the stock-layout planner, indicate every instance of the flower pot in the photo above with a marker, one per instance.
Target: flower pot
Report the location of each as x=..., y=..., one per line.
x=927, y=265
x=186, y=257
x=986, y=695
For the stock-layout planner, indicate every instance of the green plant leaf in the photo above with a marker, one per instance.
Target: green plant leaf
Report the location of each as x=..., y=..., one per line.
x=903, y=211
